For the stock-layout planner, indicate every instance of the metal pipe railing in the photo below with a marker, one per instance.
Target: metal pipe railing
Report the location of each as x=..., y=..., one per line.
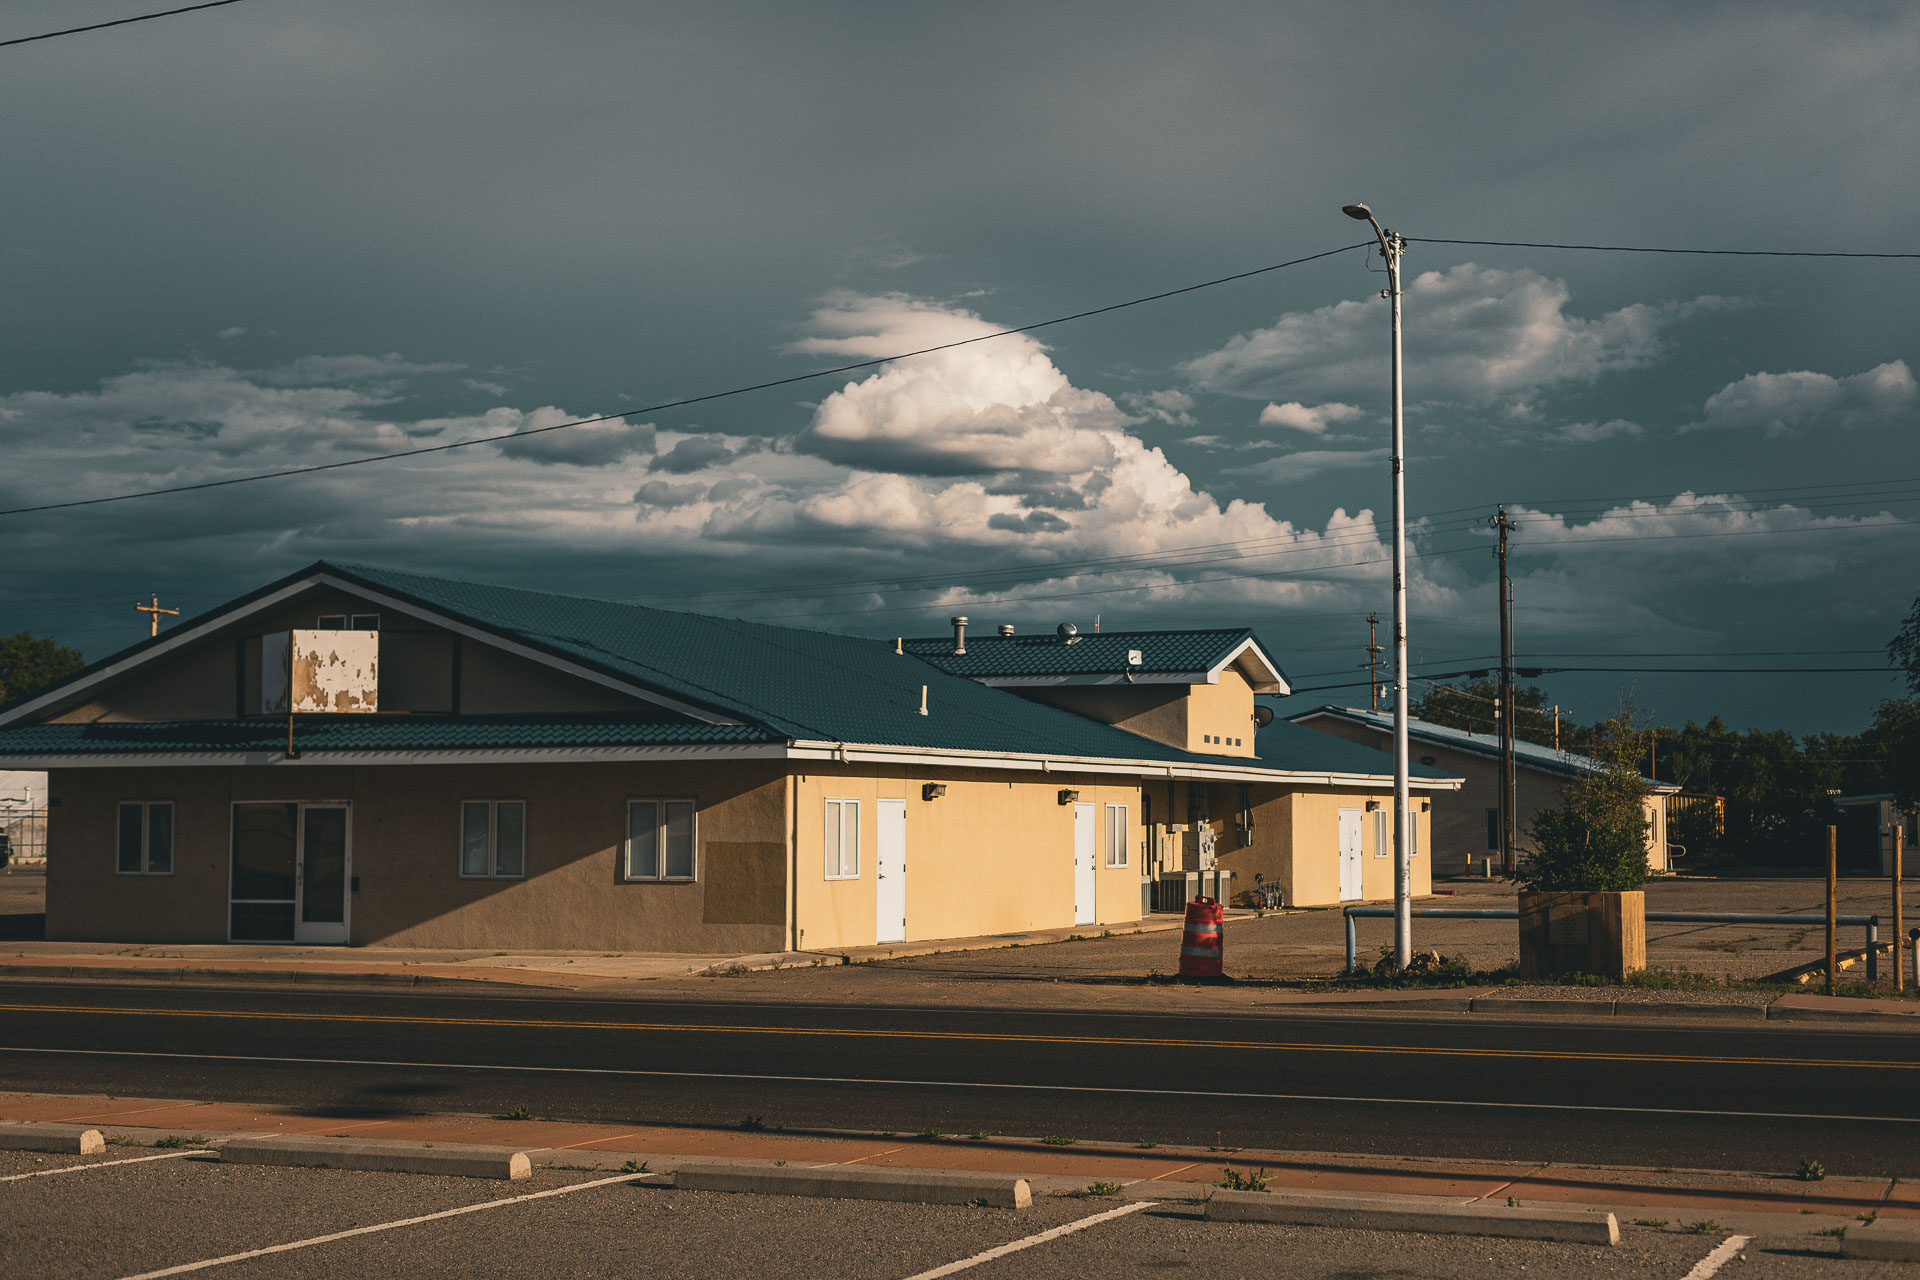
x=1870, y=923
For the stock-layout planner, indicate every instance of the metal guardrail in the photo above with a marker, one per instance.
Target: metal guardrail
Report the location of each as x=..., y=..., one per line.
x=1870, y=923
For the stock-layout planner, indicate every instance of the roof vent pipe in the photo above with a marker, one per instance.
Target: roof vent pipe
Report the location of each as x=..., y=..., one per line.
x=1068, y=633
x=1006, y=628
x=959, y=635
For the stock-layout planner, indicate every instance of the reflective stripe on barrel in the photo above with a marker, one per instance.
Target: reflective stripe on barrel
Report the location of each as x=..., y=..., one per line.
x=1202, y=939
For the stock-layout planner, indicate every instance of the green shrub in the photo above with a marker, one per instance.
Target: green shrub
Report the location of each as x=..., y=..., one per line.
x=1597, y=842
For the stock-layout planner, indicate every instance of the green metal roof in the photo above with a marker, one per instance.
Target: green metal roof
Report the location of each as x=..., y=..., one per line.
x=1294, y=747
x=1102, y=654
x=778, y=683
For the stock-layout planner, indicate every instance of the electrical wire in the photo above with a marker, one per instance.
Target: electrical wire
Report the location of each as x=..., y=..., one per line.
x=664, y=405
x=117, y=22
x=1623, y=248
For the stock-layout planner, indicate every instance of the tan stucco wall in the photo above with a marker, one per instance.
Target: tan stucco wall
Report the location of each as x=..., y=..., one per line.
x=1460, y=817
x=992, y=855
x=405, y=828
x=1223, y=710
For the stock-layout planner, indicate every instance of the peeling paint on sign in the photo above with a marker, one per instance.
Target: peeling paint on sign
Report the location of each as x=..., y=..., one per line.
x=328, y=671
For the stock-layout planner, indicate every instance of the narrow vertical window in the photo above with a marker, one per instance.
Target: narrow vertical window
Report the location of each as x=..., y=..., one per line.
x=143, y=838
x=1116, y=835
x=661, y=840
x=843, y=840
x=1382, y=832
x=493, y=839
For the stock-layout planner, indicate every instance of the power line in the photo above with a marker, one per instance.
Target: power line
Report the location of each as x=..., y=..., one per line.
x=681, y=403
x=117, y=22
x=1623, y=248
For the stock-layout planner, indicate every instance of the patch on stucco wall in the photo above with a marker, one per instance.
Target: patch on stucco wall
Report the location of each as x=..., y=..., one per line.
x=746, y=882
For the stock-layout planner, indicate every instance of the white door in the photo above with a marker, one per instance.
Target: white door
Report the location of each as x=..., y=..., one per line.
x=890, y=873
x=1085, y=850
x=290, y=872
x=1350, y=864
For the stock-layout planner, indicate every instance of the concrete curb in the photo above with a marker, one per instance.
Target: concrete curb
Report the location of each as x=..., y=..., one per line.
x=61, y=1139
x=847, y=1182
x=1884, y=1240
x=1408, y=1213
x=141, y=973
x=461, y=1161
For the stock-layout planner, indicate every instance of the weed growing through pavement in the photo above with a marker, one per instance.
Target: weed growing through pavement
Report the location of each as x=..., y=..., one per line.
x=931, y=1133
x=1094, y=1190
x=778, y=1164
x=1056, y=1140
x=1868, y=1217
x=1701, y=1227
x=1811, y=1171
x=1831, y=1231
x=174, y=1141
x=1649, y=1222
x=980, y=1135
x=1146, y=1146
x=753, y=1123
x=1237, y=1181
x=635, y=1166
x=1513, y=1202
x=518, y=1113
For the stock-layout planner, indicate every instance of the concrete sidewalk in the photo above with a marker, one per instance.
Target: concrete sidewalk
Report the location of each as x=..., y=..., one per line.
x=415, y=966
x=1176, y=1173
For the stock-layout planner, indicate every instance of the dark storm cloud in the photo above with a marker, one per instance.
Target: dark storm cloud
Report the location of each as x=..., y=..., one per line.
x=596, y=444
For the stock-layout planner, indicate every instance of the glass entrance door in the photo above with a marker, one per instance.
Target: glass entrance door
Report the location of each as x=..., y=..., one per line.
x=292, y=873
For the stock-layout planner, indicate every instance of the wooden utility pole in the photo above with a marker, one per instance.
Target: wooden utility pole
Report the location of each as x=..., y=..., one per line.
x=153, y=610
x=1373, y=660
x=1503, y=710
x=1556, y=726
x=1899, y=924
x=1833, y=893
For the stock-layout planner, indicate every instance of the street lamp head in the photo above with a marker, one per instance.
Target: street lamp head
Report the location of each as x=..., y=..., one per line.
x=1358, y=211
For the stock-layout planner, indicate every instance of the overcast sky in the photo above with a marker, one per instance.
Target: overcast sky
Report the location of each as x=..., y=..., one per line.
x=289, y=232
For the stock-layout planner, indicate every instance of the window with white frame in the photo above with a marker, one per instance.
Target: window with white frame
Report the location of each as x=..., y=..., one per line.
x=660, y=840
x=493, y=839
x=145, y=838
x=349, y=622
x=1116, y=835
x=843, y=839
x=1382, y=832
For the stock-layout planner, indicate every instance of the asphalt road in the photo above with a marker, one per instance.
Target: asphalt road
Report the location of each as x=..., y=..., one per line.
x=1700, y=1096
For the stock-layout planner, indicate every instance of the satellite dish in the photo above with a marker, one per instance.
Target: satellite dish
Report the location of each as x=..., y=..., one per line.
x=1262, y=715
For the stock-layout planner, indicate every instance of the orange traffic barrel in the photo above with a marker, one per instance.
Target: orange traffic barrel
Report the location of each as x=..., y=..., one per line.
x=1200, y=943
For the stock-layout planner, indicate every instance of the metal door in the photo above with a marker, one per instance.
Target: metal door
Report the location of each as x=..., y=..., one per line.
x=1085, y=850
x=1350, y=863
x=326, y=873
x=290, y=873
x=890, y=873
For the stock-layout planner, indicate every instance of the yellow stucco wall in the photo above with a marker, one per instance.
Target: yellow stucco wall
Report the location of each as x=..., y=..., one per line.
x=1221, y=711
x=405, y=828
x=992, y=855
x=1297, y=843
x=1180, y=715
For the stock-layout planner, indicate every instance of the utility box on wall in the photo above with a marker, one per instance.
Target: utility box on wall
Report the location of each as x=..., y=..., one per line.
x=306, y=672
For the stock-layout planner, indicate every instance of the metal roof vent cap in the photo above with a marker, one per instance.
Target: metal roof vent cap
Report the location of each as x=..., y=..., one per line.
x=959, y=635
x=1006, y=628
x=1068, y=633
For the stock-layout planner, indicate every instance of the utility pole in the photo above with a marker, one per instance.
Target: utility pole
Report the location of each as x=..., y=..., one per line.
x=1392, y=248
x=1556, y=726
x=1503, y=710
x=153, y=610
x=1373, y=659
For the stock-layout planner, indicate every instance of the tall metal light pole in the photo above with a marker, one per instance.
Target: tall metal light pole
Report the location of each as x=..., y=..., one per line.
x=1391, y=248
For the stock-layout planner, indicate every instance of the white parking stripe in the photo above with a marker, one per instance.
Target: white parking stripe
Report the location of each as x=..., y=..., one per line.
x=975, y=1084
x=103, y=1164
x=308, y=1243
x=1720, y=1257
x=1028, y=1243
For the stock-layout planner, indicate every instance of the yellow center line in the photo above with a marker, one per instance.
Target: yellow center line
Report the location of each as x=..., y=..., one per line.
x=999, y=1037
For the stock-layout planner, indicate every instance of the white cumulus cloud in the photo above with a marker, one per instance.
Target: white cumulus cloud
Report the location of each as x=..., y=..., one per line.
x=1779, y=403
x=1314, y=420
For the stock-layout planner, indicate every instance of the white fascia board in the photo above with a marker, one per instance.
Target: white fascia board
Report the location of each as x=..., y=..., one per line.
x=866, y=753
x=1273, y=683
x=1114, y=677
x=180, y=637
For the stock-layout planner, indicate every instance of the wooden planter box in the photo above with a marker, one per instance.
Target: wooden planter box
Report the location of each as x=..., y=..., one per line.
x=1598, y=933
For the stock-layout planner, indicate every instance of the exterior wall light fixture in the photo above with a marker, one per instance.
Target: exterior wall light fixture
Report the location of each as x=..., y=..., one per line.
x=1068, y=795
x=933, y=790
